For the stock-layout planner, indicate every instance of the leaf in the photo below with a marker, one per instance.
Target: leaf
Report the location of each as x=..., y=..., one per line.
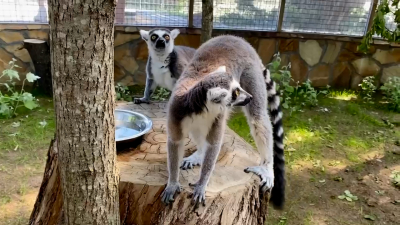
x=341, y=197
x=30, y=104
x=370, y=217
x=289, y=89
x=31, y=77
x=347, y=192
x=15, y=124
x=285, y=105
x=11, y=74
x=43, y=123
x=14, y=134
x=349, y=199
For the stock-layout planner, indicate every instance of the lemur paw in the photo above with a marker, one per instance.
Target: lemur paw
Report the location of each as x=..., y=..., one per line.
x=266, y=175
x=193, y=160
x=199, y=195
x=169, y=193
x=141, y=100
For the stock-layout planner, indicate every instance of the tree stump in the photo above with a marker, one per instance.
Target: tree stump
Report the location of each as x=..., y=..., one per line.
x=232, y=196
x=39, y=51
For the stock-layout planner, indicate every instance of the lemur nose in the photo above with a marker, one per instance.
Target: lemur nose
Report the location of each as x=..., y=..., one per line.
x=160, y=44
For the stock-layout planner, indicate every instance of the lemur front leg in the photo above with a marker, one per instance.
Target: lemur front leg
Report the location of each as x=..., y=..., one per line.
x=196, y=158
x=148, y=91
x=213, y=146
x=175, y=152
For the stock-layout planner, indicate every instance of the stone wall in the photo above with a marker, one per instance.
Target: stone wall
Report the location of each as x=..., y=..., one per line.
x=336, y=63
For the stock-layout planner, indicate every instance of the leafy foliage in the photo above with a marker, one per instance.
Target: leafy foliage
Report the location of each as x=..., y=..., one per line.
x=122, y=92
x=348, y=196
x=368, y=89
x=161, y=94
x=293, y=97
x=391, y=90
x=10, y=99
x=379, y=25
x=395, y=178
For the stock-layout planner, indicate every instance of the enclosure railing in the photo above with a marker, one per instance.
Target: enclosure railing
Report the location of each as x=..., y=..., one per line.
x=340, y=17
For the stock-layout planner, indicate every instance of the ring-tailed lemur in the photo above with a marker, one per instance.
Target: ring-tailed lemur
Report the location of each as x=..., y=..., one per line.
x=200, y=103
x=165, y=62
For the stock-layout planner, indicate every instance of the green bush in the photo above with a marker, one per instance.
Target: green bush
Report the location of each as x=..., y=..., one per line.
x=368, y=89
x=391, y=90
x=10, y=99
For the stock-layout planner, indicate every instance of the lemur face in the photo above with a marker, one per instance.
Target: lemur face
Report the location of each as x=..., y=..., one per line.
x=239, y=97
x=160, y=40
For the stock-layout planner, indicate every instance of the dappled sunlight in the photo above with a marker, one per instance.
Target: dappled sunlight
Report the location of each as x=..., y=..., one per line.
x=18, y=209
x=345, y=95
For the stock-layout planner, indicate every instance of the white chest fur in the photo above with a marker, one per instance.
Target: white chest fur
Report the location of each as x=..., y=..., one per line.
x=162, y=75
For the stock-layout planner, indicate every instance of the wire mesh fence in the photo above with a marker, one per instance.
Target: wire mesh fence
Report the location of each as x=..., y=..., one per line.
x=340, y=17
x=241, y=14
x=23, y=11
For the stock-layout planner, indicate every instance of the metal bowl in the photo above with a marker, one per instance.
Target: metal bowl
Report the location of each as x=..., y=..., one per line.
x=130, y=125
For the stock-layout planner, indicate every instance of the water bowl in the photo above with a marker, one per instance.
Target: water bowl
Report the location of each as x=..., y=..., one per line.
x=130, y=126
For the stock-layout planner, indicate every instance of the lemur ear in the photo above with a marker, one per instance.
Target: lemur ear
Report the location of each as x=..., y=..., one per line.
x=144, y=34
x=175, y=33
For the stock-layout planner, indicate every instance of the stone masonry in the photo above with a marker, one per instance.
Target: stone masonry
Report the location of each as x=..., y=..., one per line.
x=324, y=62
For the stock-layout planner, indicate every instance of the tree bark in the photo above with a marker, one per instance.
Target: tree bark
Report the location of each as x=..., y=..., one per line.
x=82, y=55
x=207, y=20
x=39, y=51
x=232, y=196
x=49, y=196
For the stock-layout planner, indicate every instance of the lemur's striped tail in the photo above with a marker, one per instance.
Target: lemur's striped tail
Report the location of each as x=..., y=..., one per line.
x=278, y=191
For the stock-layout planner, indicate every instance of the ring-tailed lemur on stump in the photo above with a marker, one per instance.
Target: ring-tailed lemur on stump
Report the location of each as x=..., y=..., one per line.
x=226, y=71
x=165, y=62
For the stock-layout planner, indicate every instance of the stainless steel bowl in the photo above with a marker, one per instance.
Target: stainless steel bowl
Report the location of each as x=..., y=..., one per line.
x=130, y=125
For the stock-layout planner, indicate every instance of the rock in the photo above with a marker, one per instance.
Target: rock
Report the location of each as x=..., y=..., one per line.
x=121, y=39
x=142, y=52
x=11, y=27
x=23, y=55
x=298, y=69
x=127, y=81
x=10, y=37
x=346, y=56
x=118, y=73
x=341, y=75
x=266, y=49
x=387, y=56
x=5, y=58
x=39, y=34
x=288, y=45
x=366, y=67
x=332, y=51
x=130, y=29
x=123, y=58
x=140, y=78
x=310, y=51
x=192, y=41
x=34, y=27
x=393, y=71
x=355, y=81
x=285, y=59
x=319, y=76
x=120, y=53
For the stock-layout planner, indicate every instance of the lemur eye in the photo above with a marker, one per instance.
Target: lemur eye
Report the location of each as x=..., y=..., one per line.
x=235, y=94
x=166, y=37
x=153, y=37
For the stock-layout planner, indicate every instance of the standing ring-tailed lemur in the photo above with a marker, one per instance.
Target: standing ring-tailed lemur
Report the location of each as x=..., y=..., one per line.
x=166, y=61
x=226, y=71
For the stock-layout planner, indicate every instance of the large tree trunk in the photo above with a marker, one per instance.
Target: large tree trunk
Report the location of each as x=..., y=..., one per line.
x=232, y=196
x=82, y=55
x=207, y=20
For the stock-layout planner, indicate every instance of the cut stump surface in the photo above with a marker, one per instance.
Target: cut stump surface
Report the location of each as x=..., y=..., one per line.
x=232, y=195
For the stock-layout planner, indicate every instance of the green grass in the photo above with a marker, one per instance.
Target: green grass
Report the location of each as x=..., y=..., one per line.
x=323, y=143
x=23, y=147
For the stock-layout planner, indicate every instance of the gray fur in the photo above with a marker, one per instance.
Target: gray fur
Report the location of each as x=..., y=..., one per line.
x=188, y=99
x=168, y=61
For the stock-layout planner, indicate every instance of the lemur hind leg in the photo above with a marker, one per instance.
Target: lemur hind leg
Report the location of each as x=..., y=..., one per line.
x=213, y=146
x=196, y=158
x=261, y=130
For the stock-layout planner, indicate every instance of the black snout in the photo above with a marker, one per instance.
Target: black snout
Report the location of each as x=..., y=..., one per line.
x=160, y=44
x=244, y=102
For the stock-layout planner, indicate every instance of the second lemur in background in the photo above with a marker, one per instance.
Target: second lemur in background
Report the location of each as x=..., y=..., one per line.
x=166, y=61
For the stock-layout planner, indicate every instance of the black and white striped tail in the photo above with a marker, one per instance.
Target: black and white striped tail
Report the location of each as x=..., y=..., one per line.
x=278, y=191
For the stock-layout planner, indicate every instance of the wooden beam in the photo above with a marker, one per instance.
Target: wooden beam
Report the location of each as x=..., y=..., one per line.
x=281, y=14
x=371, y=15
x=191, y=8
